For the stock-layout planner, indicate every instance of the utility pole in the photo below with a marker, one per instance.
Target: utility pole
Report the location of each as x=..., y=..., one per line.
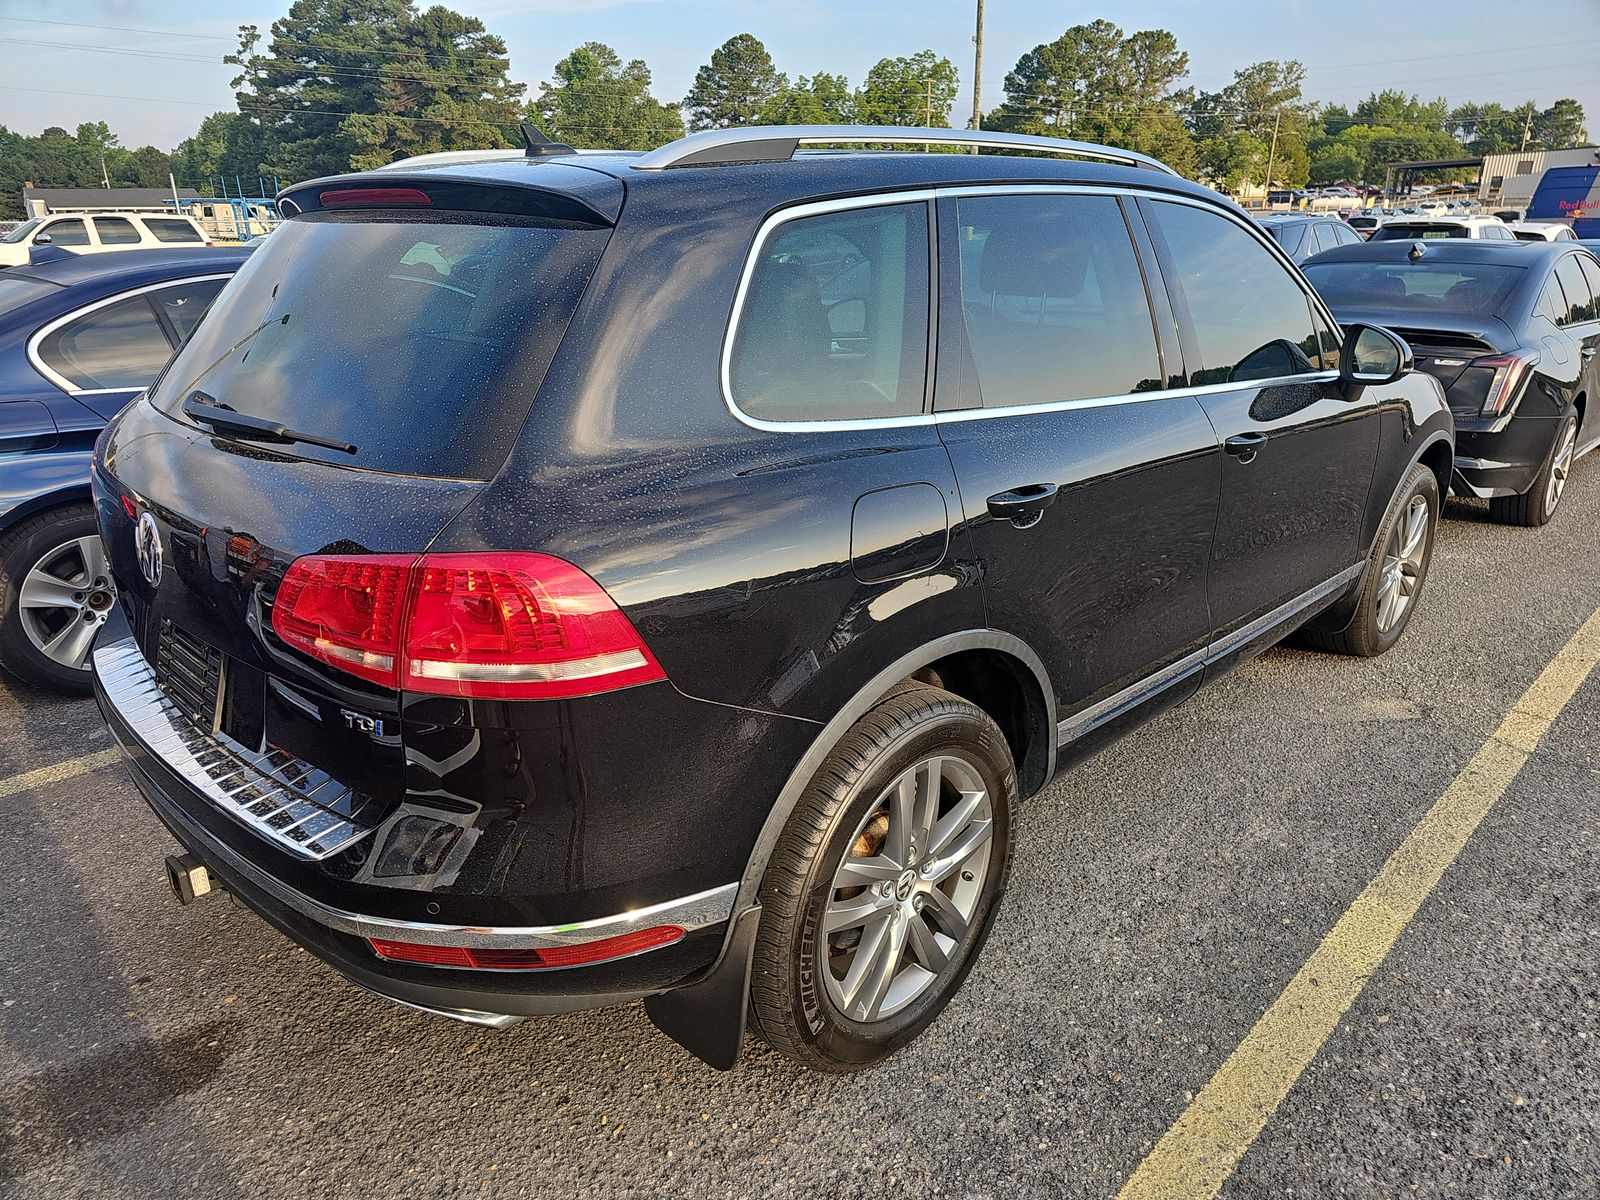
x=1527, y=130
x=977, y=75
x=1272, y=154
x=104, y=178
x=927, y=110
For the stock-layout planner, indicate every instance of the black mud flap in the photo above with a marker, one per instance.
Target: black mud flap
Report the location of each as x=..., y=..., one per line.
x=707, y=1018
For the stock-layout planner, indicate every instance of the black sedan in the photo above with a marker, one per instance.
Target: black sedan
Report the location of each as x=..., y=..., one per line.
x=1303, y=234
x=1510, y=329
x=80, y=336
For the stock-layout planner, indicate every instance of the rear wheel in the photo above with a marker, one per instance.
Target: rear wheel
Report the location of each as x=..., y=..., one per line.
x=883, y=885
x=1387, y=594
x=55, y=593
x=1538, y=504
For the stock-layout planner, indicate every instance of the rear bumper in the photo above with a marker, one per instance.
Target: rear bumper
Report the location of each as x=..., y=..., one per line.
x=339, y=937
x=1505, y=462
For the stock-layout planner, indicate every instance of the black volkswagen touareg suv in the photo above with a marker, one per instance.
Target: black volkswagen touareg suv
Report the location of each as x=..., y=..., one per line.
x=551, y=579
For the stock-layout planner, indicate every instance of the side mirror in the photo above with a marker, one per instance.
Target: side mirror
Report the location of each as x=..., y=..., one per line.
x=1373, y=355
x=42, y=239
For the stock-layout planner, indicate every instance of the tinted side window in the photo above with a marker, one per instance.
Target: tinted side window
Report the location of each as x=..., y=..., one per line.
x=1579, y=297
x=1290, y=236
x=835, y=321
x=1053, y=300
x=119, y=346
x=1346, y=235
x=1591, y=272
x=1551, y=306
x=184, y=304
x=1326, y=238
x=67, y=233
x=1250, y=318
x=166, y=229
x=115, y=231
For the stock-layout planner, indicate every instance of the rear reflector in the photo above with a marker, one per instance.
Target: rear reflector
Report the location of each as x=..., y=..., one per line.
x=506, y=626
x=374, y=197
x=581, y=954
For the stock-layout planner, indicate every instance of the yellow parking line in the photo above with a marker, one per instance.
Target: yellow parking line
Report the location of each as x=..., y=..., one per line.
x=1205, y=1144
x=57, y=772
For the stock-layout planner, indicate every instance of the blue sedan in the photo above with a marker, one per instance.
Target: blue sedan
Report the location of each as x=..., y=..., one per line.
x=80, y=336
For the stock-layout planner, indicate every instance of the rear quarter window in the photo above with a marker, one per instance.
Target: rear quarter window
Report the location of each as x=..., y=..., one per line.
x=166, y=229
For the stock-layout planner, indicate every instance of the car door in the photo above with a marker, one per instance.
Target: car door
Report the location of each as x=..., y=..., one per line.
x=1089, y=487
x=1580, y=273
x=105, y=353
x=1299, y=452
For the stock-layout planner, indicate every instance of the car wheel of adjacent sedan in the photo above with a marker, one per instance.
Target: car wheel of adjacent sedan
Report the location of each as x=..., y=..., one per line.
x=55, y=592
x=882, y=886
x=1539, y=503
x=1387, y=594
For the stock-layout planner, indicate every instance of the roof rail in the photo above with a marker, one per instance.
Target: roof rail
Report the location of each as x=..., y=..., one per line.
x=778, y=143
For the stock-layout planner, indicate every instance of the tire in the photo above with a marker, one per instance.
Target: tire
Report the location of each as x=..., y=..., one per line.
x=1373, y=626
x=64, y=545
x=800, y=1000
x=1538, y=504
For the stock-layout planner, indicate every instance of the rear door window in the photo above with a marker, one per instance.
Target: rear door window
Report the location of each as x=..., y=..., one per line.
x=115, y=231
x=169, y=229
x=183, y=304
x=119, y=346
x=420, y=341
x=1053, y=301
x=1326, y=238
x=1248, y=316
x=1591, y=272
x=834, y=324
x=1579, y=296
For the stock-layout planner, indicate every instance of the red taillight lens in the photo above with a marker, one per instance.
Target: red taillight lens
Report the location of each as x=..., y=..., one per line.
x=1509, y=372
x=581, y=954
x=346, y=611
x=374, y=197
x=510, y=626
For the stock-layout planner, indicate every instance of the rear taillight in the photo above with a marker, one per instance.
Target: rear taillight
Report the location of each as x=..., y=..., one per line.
x=1509, y=372
x=577, y=955
x=506, y=626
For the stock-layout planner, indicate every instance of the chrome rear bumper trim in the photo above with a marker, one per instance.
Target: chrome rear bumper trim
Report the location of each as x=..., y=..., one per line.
x=290, y=803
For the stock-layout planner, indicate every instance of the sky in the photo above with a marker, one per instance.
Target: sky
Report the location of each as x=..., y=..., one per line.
x=1463, y=50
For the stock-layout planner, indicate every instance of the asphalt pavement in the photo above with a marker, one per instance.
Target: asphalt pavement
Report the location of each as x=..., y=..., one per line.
x=1164, y=894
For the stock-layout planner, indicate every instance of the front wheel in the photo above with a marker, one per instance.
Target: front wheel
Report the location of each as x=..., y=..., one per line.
x=1386, y=595
x=883, y=885
x=1538, y=504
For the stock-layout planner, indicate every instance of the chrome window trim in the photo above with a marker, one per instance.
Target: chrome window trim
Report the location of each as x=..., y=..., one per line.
x=66, y=385
x=925, y=195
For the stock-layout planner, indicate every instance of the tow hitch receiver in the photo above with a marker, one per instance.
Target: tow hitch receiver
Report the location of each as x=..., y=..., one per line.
x=188, y=878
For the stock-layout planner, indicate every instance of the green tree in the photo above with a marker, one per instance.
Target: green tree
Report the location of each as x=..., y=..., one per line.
x=597, y=100
x=360, y=82
x=1560, y=127
x=822, y=99
x=1095, y=84
x=1262, y=107
x=915, y=90
x=734, y=87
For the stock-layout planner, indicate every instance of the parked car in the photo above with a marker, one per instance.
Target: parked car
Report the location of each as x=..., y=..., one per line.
x=1410, y=228
x=1302, y=236
x=519, y=633
x=1363, y=223
x=79, y=336
x=1510, y=332
x=100, y=234
x=1542, y=231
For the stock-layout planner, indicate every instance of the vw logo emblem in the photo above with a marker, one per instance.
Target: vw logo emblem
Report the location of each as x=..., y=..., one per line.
x=147, y=544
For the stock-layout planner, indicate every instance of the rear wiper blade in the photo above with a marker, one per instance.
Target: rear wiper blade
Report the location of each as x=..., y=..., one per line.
x=201, y=407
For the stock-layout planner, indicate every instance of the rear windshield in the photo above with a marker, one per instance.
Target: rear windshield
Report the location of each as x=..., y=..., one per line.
x=1390, y=233
x=419, y=341
x=1476, y=288
x=17, y=290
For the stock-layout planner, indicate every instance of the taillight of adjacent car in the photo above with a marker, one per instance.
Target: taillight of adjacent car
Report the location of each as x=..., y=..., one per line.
x=502, y=626
x=1510, y=372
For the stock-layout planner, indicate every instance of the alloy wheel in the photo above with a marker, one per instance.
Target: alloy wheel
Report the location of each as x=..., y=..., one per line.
x=64, y=600
x=903, y=898
x=1560, y=468
x=1402, y=564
